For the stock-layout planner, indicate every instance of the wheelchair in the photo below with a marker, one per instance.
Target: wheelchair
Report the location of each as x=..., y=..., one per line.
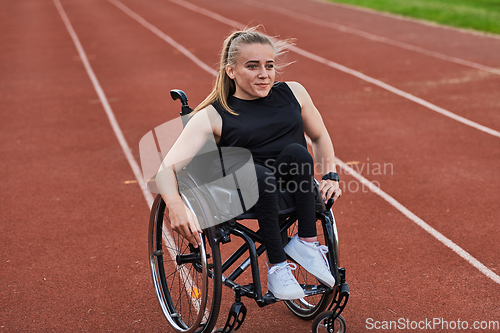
x=188, y=281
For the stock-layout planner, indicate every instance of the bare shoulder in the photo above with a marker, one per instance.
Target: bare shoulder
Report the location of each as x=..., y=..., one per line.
x=313, y=122
x=300, y=93
x=208, y=111
x=207, y=120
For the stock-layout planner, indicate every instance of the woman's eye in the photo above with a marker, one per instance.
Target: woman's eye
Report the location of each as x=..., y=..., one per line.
x=270, y=66
x=252, y=66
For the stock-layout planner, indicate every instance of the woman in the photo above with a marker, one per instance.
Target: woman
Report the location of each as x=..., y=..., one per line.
x=248, y=109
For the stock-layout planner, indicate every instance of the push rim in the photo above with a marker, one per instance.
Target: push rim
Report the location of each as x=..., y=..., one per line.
x=187, y=281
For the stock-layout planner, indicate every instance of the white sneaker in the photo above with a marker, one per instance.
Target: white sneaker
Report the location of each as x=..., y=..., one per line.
x=311, y=256
x=282, y=283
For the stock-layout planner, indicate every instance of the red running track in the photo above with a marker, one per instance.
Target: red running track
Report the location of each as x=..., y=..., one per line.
x=74, y=220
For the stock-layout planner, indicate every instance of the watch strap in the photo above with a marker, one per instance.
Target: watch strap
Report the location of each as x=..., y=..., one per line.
x=331, y=176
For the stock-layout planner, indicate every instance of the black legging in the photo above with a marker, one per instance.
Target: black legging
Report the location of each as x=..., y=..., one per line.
x=293, y=169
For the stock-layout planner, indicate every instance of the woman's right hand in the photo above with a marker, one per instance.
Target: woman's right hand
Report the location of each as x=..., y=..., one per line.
x=183, y=220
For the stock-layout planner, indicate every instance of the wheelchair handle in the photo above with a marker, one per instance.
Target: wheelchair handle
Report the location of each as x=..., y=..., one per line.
x=329, y=204
x=179, y=94
x=185, y=109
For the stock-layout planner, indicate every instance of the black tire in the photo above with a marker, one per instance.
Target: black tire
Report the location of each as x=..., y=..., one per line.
x=309, y=307
x=189, y=293
x=319, y=325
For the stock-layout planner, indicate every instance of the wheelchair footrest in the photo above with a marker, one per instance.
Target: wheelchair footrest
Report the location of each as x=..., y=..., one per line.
x=267, y=299
x=311, y=290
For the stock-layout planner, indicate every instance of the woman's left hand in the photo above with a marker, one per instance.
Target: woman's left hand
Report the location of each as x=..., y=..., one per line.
x=330, y=189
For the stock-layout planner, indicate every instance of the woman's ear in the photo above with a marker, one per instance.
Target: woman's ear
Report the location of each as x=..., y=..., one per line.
x=230, y=72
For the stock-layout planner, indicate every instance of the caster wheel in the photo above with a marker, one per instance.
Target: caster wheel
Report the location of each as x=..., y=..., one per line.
x=320, y=325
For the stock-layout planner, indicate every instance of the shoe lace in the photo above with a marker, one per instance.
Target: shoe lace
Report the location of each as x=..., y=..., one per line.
x=323, y=249
x=285, y=272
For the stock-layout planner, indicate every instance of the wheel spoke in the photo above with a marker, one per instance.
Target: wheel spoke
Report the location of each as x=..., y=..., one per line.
x=310, y=306
x=187, y=300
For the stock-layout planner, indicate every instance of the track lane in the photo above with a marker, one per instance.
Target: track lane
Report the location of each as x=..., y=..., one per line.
x=105, y=103
x=69, y=223
x=139, y=74
x=388, y=231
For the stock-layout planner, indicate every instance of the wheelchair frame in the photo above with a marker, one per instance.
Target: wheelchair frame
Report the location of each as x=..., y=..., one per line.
x=199, y=261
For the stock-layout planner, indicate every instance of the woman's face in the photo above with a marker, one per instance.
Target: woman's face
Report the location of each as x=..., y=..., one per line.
x=254, y=71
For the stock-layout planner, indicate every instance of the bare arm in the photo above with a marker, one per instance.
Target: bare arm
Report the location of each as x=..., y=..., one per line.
x=314, y=127
x=205, y=125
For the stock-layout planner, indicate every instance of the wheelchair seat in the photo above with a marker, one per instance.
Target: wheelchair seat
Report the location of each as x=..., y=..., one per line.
x=229, y=199
x=223, y=200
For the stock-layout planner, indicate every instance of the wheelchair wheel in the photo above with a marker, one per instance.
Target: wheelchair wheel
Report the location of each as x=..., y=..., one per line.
x=187, y=281
x=308, y=307
x=320, y=325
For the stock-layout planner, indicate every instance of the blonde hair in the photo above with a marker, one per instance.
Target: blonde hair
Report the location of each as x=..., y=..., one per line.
x=224, y=85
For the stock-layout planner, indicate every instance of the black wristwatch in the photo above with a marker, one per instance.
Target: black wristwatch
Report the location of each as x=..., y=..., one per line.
x=332, y=176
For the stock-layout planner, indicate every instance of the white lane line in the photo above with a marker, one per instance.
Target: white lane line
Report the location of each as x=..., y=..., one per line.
x=369, y=36
x=440, y=237
x=421, y=223
x=349, y=71
x=163, y=36
x=396, y=91
x=187, y=279
x=417, y=220
x=109, y=112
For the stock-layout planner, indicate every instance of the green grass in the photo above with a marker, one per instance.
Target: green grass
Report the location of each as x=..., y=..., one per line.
x=482, y=15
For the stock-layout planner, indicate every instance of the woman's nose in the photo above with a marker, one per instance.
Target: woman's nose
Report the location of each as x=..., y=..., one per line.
x=262, y=73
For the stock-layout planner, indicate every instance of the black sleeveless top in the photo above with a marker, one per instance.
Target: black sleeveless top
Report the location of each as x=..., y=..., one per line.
x=265, y=126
